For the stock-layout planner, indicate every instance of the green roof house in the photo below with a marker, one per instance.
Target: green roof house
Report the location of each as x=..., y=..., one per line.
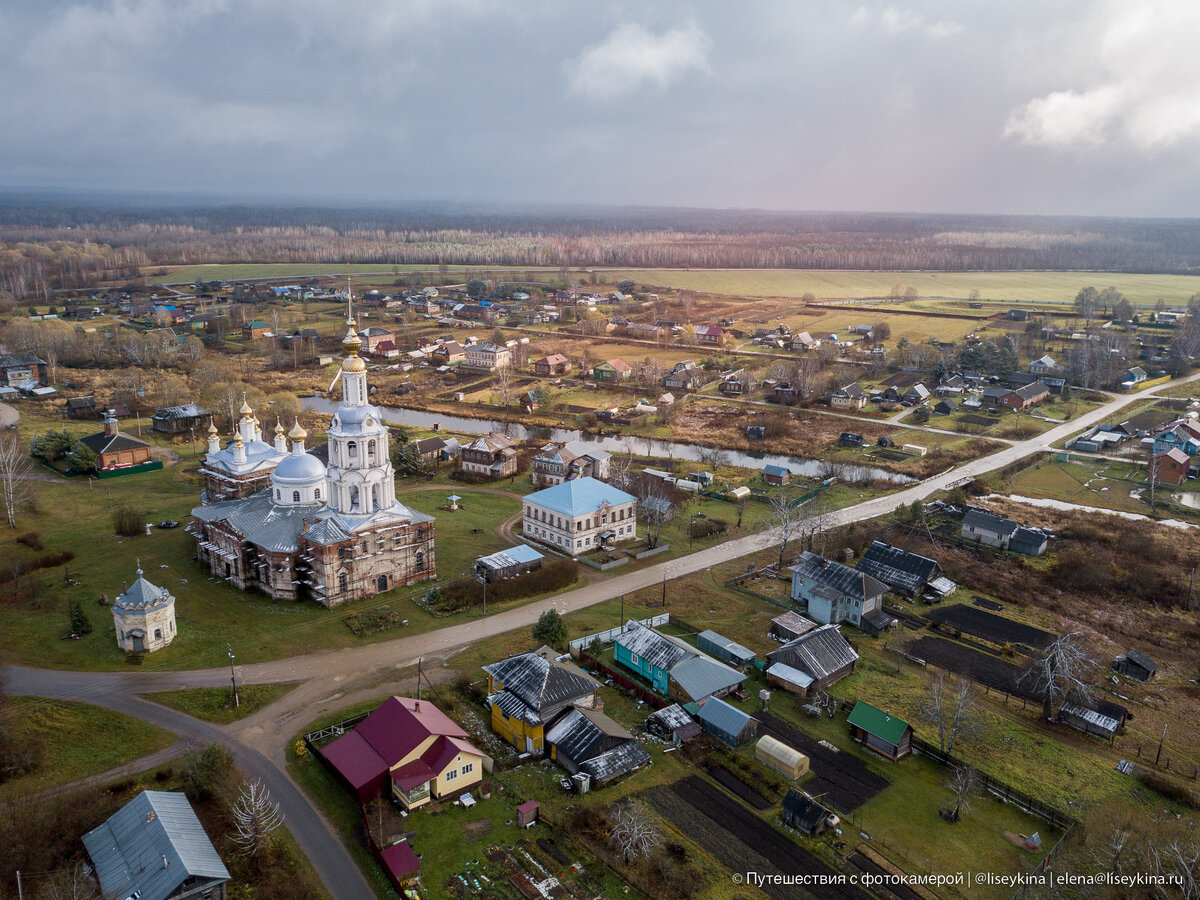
x=883, y=733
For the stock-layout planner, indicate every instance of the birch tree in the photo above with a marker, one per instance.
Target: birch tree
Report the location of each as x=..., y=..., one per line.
x=15, y=470
x=951, y=709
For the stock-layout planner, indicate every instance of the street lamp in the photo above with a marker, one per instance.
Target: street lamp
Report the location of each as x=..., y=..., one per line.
x=233, y=678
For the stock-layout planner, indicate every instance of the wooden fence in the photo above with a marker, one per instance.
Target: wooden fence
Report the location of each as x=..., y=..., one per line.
x=1004, y=791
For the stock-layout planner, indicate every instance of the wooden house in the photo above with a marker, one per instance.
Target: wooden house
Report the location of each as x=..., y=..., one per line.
x=887, y=735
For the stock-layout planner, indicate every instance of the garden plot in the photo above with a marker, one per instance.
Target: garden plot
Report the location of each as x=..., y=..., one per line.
x=976, y=665
x=991, y=627
x=741, y=840
x=842, y=779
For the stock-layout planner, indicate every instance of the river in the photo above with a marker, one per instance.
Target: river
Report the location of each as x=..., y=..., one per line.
x=616, y=444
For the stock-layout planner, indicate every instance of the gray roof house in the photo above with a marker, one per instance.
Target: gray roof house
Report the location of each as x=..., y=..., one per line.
x=724, y=649
x=727, y=723
x=983, y=527
x=824, y=656
x=536, y=687
x=586, y=740
x=673, y=723
x=836, y=593
x=155, y=848
x=905, y=572
x=1136, y=665
x=673, y=666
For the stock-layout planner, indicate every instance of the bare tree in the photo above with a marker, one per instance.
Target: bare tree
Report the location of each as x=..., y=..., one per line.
x=635, y=834
x=73, y=882
x=15, y=469
x=657, y=501
x=1179, y=860
x=964, y=784
x=788, y=519
x=1087, y=304
x=255, y=816
x=951, y=709
x=1062, y=673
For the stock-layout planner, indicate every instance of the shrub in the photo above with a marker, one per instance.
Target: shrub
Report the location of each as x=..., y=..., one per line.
x=554, y=575
x=31, y=539
x=1169, y=789
x=127, y=521
x=705, y=527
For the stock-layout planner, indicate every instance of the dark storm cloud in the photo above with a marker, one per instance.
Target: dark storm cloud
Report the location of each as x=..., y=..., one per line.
x=1018, y=107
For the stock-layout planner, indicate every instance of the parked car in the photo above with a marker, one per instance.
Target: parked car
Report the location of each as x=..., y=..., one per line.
x=168, y=523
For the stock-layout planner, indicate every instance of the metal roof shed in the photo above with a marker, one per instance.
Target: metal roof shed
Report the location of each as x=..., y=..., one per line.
x=727, y=723
x=776, y=755
x=724, y=649
x=881, y=732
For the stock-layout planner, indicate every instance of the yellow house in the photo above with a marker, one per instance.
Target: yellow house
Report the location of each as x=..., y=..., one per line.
x=529, y=691
x=412, y=746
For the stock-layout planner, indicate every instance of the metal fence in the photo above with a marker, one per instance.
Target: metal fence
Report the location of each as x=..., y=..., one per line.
x=607, y=637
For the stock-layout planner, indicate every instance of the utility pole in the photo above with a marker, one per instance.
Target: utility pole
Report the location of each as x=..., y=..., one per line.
x=419, y=661
x=233, y=678
x=1191, y=575
x=1161, y=738
x=664, y=597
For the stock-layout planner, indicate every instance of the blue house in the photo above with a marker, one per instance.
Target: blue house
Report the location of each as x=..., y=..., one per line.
x=648, y=653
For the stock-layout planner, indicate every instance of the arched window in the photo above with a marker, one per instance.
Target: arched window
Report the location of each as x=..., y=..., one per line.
x=158, y=634
x=352, y=449
x=374, y=496
x=295, y=496
x=371, y=450
x=317, y=494
x=420, y=561
x=343, y=582
x=353, y=499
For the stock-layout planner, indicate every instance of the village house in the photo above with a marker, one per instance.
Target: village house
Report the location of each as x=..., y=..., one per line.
x=735, y=384
x=252, y=331
x=18, y=368
x=409, y=750
x=878, y=731
x=904, y=572
x=777, y=475
x=114, y=449
x=154, y=848
x=1016, y=398
x=726, y=723
x=916, y=394
x=488, y=356
x=1136, y=665
x=81, y=408
x=612, y=370
x=672, y=723
x=1045, y=366
x=1133, y=377
x=1169, y=466
x=814, y=661
x=373, y=337
x=713, y=335
x=788, y=626
x=580, y=515
x=587, y=742
x=673, y=667
x=951, y=386
x=982, y=527
x=179, y=419
x=493, y=455
x=834, y=593
x=849, y=397
x=685, y=376
x=554, y=364
x=725, y=650
x=557, y=463
x=450, y=352
x=529, y=691
x=805, y=814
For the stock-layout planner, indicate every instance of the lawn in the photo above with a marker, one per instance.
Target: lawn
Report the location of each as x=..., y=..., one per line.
x=1102, y=483
x=1034, y=287
x=77, y=740
x=213, y=704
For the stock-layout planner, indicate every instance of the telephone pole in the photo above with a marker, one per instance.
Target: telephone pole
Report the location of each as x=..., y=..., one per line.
x=233, y=679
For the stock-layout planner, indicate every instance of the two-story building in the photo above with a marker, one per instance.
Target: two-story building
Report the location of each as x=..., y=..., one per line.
x=579, y=515
x=530, y=691
x=836, y=593
x=410, y=749
x=557, y=463
x=373, y=337
x=493, y=455
x=685, y=376
x=554, y=364
x=612, y=370
x=488, y=356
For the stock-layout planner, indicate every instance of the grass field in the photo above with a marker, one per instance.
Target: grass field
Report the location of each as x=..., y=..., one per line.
x=213, y=704
x=234, y=271
x=78, y=740
x=1032, y=287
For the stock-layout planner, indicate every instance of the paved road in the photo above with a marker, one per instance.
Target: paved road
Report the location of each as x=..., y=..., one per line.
x=332, y=679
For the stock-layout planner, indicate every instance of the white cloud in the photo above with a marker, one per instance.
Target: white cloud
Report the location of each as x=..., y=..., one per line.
x=1139, y=89
x=897, y=22
x=632, y=56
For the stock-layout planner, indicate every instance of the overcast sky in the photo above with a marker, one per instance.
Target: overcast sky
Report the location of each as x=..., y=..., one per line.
x=981, y=107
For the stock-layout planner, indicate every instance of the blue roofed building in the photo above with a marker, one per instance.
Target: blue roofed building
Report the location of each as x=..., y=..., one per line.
x=508, y=563
x=579, y=516
x=672, y=666
x=727, y=723
x=154, y=848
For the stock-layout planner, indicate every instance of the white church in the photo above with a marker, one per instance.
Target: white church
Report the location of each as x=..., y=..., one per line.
x=306, y=530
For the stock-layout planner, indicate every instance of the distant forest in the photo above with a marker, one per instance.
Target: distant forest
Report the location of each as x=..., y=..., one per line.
x=52, y=241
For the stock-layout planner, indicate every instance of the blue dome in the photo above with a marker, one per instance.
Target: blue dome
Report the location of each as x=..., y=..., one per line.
x=299, y=468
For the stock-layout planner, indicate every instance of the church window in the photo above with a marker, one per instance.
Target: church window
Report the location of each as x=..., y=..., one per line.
x=352, y=449
x=276, y=493
x=420, y=561
x=353, y=499
x=295, y=496
x=317, y=494
x=158, y=634
x=375, y=496
x=343, y=582
x=371, y=450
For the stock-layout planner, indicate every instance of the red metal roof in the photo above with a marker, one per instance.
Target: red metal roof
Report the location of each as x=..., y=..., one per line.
x=400, y=860
x=355, y=760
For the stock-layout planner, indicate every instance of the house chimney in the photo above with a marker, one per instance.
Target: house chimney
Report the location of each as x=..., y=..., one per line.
x=150, y=816
x=165, y=863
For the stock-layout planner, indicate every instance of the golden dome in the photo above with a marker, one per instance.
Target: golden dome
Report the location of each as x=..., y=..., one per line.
x=237, y=443
x=297, y=433
x=212, y=427
x=278, y=426
x=354, y=364
x=245, y=410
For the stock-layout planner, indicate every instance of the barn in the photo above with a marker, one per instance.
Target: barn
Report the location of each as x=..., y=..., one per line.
x=776, y=755
x=724, y=649
x=508, y=563
x=672, y=723
x=883, y=733
x=1136, y=665
x=805, y=814
x=790, y=625
x=726, y=723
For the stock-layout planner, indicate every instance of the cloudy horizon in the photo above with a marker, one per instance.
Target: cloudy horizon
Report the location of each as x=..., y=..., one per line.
x=918, y=107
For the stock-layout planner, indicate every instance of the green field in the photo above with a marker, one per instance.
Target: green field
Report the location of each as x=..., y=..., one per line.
x=1032, y=287
x=99, y=740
